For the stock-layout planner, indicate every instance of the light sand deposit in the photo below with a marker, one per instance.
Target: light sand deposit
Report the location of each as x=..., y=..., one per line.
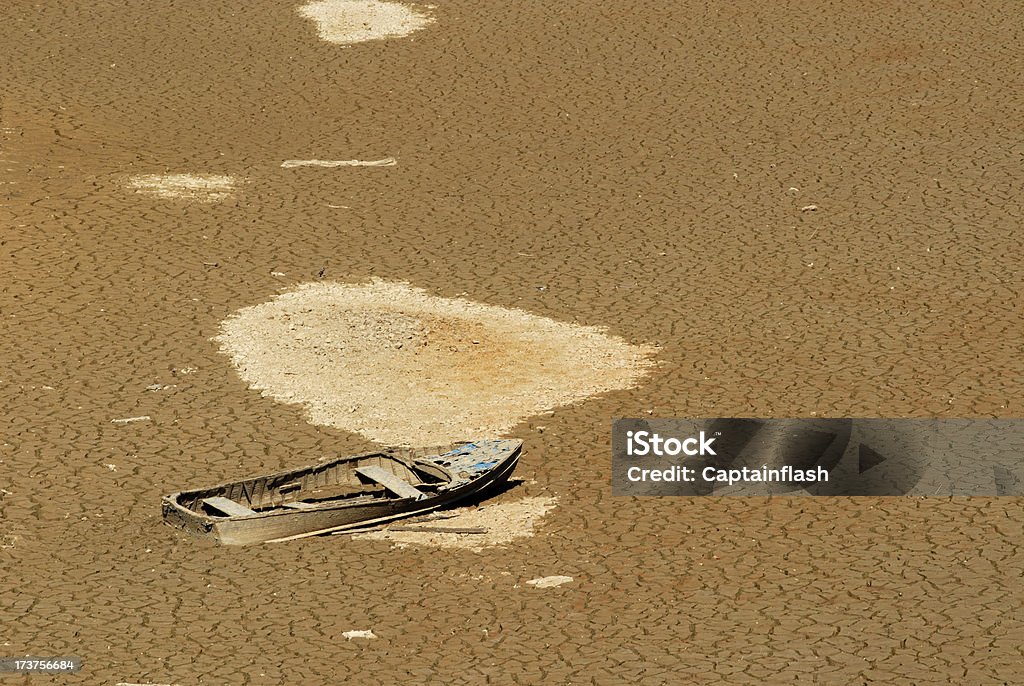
x=386, y=162
x=402, y=367
x=550, y=581
x=501, y=524
x=355, y=21
x=198, y=187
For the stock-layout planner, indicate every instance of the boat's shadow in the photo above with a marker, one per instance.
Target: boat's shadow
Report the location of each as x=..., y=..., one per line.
x=483, y=496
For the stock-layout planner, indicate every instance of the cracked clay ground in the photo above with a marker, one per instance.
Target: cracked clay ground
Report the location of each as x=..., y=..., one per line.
x=813, y=208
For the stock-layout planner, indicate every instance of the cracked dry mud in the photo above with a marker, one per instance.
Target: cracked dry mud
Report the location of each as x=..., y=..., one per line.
x=639, y=167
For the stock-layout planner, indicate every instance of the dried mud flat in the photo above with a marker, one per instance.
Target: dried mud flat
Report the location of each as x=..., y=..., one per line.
x=402, y=367
x=648, y=168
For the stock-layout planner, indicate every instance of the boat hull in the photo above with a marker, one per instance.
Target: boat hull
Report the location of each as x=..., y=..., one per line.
x=280, y=524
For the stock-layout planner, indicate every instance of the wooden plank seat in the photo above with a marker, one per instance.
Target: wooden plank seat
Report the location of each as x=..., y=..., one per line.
x=228, y=507
x=397, y=485
x=299, y=505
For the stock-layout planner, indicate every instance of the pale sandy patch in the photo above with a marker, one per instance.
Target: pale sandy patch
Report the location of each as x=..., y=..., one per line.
x=356, y=21
x=502, y=524
x=198, y=187
x=131, y=420
x=403, y=367
x=359, y=633
x=549, y=581
x=386, y=162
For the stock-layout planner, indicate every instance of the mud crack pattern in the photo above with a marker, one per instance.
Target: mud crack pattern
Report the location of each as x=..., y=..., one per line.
x=637, y=166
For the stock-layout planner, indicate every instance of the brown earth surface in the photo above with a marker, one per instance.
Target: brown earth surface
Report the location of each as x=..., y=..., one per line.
x=641, y=167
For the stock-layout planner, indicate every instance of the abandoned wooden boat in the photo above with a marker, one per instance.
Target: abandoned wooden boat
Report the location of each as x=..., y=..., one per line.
x=342, y=493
